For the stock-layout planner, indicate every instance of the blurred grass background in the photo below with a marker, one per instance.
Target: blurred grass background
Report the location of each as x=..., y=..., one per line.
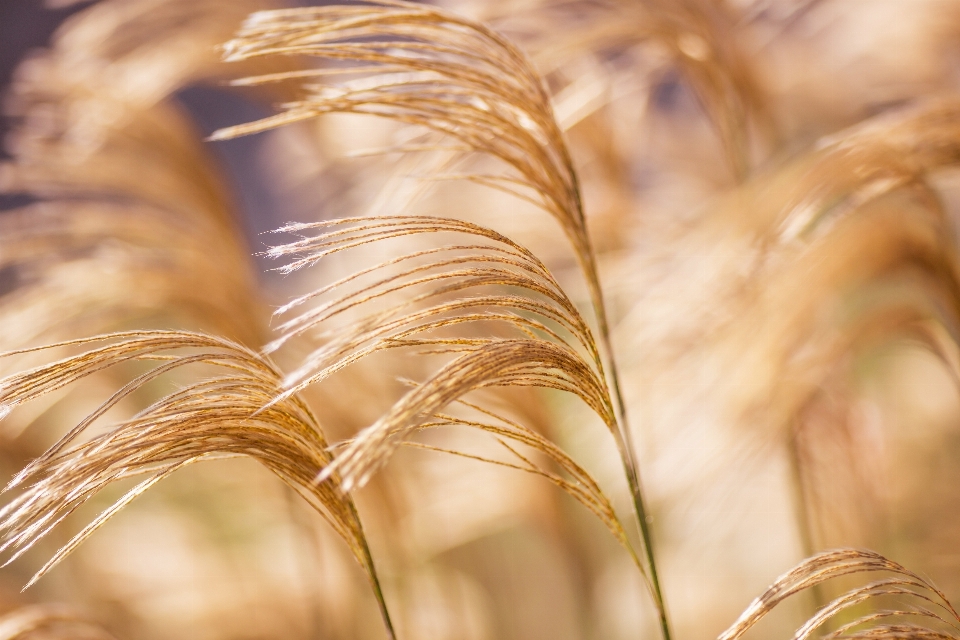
x=773, y=419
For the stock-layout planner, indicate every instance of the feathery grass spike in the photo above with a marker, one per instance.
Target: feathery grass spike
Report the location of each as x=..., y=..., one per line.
x=230, y=414
x=916, y=598
x=432, y=276
x=421, y=65
x=703, y=37
x=554, y=347
x=440, y=289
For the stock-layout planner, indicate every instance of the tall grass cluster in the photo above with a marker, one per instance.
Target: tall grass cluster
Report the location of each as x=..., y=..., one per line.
x=511, y=319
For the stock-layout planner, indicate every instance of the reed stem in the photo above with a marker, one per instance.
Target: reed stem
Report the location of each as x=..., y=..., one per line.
x=624, y=439
x=632, y=470
x=374, y=580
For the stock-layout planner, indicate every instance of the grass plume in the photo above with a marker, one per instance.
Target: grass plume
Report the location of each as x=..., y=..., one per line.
x=916, y=597
x=426, y=67
x=224, y=415
x=759, y=310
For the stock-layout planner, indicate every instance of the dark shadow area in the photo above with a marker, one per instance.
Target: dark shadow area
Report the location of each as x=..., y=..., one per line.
x=24, y=26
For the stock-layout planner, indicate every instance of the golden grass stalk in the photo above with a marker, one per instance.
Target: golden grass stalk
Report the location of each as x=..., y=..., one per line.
x=547, y=352
x=426, y=67
x=916, y=598
x=231, y=414
x=423, y=66
x=430, y=68
x=554, y=349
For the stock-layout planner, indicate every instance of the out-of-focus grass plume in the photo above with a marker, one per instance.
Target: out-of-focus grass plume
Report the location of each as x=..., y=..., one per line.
x=527, y=252
x=50, y=622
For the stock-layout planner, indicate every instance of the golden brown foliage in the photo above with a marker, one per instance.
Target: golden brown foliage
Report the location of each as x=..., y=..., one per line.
x=748, y=322
x=232, y=414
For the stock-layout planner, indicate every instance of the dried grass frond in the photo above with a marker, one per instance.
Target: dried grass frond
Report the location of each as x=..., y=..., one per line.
x=916, y=597
x=97, y=104
x=101, y=150
x=82, y=267
x=234, y=413
x=95, y=116
x=553, y=348
x=838, y=251
x=865, y=218
x=492, y=363
x=421, y=65
x=846, y=170
x=426, y=67
x=887, y=271
x=417, y=321
x=427, y=277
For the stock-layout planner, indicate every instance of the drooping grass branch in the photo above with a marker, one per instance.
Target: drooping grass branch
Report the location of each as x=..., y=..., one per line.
x=420, y=65
x=412, y=300
x=916, y=599
x=234, y=413
x=415, y=301
x=580, y=485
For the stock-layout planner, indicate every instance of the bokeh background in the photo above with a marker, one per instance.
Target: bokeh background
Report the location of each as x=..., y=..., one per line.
x=773, y=194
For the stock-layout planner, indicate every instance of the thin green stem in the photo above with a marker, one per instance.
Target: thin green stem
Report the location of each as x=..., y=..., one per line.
x=632, y=470
x=374, y=580
x=307, y=544
x=625, y=441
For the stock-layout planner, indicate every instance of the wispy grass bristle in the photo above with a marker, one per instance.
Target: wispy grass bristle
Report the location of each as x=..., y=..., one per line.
x=774, y=197
x=916, y=596
x=233, y=413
